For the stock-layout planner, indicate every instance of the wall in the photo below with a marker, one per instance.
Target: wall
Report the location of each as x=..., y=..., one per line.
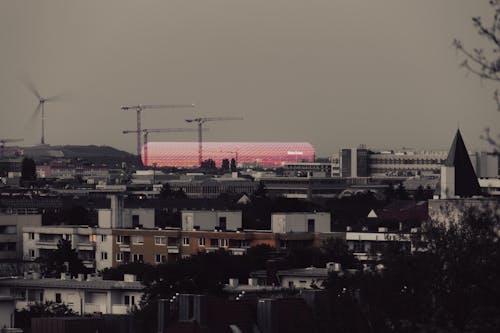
x=298, y=222
x=6, y=312
x=208, y=220
x=19, y=221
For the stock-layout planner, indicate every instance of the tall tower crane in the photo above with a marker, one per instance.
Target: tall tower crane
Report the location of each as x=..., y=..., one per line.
x=200, y=122
x=3, y=142
x=146, y=131
x=138, y=108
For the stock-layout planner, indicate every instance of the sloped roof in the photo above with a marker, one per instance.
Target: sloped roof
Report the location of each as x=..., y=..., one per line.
x=466, y=183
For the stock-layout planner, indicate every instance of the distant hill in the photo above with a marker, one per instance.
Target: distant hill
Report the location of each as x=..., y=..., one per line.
x=94, y=154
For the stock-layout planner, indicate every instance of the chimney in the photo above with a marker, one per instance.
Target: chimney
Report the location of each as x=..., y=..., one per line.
x=129, y=278
x=253, y=282
x=333, y=267
x=80, y=277
x=233, y=283
x=64, y=276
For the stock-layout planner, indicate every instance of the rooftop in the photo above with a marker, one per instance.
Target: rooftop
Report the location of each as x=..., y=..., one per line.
x=72, y=284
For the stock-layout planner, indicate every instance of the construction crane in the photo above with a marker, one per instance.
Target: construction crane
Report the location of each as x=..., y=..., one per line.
x=200, y=122
x=146, y=131
x=138, y=108
x=3, y=142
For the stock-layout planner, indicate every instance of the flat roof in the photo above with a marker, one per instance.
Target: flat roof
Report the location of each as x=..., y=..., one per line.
x=72, y=284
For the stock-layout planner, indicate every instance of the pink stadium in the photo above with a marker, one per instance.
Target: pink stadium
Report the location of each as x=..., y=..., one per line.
x=266, y=154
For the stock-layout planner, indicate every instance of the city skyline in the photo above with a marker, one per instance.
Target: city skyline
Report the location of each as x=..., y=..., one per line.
x=329, y=73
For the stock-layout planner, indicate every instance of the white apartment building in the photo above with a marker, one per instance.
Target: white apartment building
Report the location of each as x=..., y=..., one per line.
x=368, y=245
x=93, y=245
x=85, y=296
x=319, y=222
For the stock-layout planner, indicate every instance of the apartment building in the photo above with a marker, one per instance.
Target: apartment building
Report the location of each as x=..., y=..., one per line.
x=85, y=296
x=368, y=245
x=301, y=222
x=11, y=233
x=93, y=245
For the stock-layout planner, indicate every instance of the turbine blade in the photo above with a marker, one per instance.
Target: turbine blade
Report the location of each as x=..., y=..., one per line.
x=31, y=87
x=32, y=119
x=57, y=98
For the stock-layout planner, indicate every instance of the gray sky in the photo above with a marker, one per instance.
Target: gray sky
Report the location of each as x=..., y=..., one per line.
x=331, y=72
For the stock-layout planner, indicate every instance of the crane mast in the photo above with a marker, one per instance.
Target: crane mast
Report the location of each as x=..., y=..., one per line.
x=200, y=122
x=140, y=107
x=146, y=131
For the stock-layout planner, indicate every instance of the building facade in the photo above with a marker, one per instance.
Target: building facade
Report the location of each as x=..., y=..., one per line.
x=11, y=233
x=264, y=154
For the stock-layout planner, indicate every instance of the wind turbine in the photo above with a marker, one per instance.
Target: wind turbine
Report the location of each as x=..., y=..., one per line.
x=41, y=105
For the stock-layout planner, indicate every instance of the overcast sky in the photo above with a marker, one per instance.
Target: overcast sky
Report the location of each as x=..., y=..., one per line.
x=332, y=72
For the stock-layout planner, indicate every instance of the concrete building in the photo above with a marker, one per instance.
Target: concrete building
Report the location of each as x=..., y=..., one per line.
x=93, y=245
x=301, y=222
x=7, y=310
x=354, y=162
x=314, y=169
x=211, y=220
x=85, y=296
x=369, y=245
x=405, y=163
x=11, y=233
x=487, y=165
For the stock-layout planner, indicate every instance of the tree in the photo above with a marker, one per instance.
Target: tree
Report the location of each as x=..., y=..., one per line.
x=208, y=164
x=37, y=310
x=225, y=165
x=28, y=169
x=166, y=191
x=62, y=260
x=485, y=63
x=450, y=285
x=401, y=193
x=233, y=165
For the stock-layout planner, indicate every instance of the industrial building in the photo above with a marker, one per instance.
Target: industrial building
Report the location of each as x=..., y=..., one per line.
x=263, y=154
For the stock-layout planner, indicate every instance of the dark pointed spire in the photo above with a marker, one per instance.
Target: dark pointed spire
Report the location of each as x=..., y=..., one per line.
x=466, y=183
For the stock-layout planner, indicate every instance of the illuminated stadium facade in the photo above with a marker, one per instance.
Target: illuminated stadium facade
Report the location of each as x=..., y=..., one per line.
x=265, y=154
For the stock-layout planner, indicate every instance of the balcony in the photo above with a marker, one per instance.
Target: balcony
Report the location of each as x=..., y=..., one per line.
x=124, y=247
x=237, y=250
x=95, y=308
x=120, y=309
x=85, y=246
x=47, y=244
x=173, y=248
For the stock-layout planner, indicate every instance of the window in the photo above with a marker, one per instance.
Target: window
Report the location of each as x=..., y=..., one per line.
x=103, y=238
x=32, y=254
x=58, y=298
x=224, y=242
x=119, y=256
x=32, y=235
x=214, y=242
x=119, y=239
x=126, y=300
x=135, y=221
x=160, y=240
x=137, y=257
x=138, y=240
x=283, y=244
x=92, y=238
x=310, y=225
x=201, y=241
x=222, y=222
x=185, y=241
x=161, y=258
x=104, y=255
